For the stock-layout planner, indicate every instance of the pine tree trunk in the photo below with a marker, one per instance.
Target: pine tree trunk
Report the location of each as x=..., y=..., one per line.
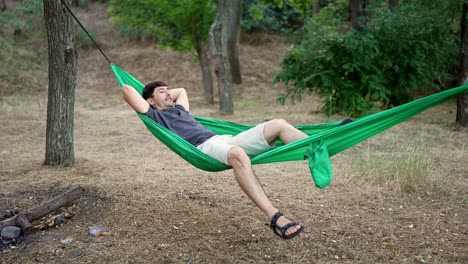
x=62, y=83
x=235, y=11
x=203, y=51
x=462, y=100
x=219, y=48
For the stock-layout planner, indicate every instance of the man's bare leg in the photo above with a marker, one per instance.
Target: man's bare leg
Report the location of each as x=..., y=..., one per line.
x=279, y=128
x=251, y=186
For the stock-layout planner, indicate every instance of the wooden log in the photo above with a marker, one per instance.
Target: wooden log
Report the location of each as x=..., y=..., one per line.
x=24, y=223
x=24, y=218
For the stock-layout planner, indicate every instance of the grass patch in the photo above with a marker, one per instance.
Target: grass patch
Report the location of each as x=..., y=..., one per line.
x=22, y=37
x=412, y=172
x=409, y=171
x=248, y=104
x=26, y=105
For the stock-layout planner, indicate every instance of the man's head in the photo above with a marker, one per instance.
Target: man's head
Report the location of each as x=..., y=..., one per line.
x=158, y=95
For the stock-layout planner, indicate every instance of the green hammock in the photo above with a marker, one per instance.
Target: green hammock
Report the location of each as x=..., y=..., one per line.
x=324, y=141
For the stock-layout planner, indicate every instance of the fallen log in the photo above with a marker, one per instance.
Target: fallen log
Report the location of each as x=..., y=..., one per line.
x=24, y=218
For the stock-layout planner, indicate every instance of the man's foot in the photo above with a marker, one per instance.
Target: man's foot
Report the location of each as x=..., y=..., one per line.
x=285, y=228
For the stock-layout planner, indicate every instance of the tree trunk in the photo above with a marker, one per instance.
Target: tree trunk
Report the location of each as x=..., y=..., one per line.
x=462, y=109
x=462, y=100
x=62, y=83
x=202, y=51
x=2, y=5
x=393, y=3
x=356, y=9
x=316, y=7
x=233, y=28
x=219, y=48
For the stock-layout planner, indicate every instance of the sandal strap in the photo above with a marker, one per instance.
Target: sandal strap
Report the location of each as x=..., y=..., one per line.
x=281, y=230
x=274, y=219
x=285, y=227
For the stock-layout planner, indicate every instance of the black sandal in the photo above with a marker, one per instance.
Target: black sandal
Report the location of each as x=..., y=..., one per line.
x=283, y=229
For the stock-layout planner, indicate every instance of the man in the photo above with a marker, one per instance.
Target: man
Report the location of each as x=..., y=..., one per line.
x=171, y=108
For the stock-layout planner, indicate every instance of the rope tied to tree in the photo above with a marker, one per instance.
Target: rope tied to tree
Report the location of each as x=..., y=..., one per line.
x=84, y=29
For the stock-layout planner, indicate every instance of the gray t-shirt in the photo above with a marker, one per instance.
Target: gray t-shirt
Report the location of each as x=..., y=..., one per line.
x=178, y=120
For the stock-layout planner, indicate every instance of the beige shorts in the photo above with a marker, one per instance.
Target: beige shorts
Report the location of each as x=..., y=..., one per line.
x=252, y=141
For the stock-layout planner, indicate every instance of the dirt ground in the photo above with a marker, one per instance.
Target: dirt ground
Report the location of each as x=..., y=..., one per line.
x=158, y=208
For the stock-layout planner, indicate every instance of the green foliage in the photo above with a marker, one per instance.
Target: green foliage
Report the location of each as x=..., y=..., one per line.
x=177, y=24
x=335, y=11
x=418, y=48
x=332, y=64
x=399, y=52
x=303, y=6
x=273, y=3
x=258, y=16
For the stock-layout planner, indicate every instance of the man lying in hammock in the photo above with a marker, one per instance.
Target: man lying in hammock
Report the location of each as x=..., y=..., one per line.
x=170, y=108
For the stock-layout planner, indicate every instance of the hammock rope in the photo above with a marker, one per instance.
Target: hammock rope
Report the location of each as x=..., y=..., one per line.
x=84, y=29
x=324, y=141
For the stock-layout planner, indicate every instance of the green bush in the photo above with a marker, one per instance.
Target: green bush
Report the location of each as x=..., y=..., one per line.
x=419, y=48
x=333, y=65
x=400, y=51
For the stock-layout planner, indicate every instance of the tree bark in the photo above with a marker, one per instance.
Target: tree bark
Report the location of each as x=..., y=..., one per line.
x=25, y=218
x=357, y=14
x=315, y=7
x=462, y=100
x=62, y=83
x=234, y=19
x=393, y=3
x=203, y=52
x=219, y=37
x=3, y=6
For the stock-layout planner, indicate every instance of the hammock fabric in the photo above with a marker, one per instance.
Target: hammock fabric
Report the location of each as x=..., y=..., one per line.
x=324, y=141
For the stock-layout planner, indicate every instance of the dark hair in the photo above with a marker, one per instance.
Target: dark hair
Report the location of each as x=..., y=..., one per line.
x=149, y=88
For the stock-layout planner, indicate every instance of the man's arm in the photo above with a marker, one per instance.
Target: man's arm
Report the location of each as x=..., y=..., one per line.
x=134, y=99
x=179, y=95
